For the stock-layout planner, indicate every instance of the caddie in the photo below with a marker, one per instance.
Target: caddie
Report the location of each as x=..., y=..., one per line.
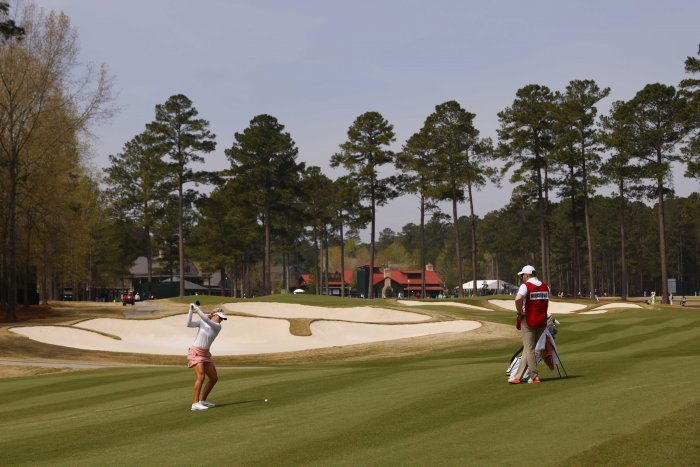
x=531, y=304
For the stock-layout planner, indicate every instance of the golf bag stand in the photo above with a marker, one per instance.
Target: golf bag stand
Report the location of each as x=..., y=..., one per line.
x=516, y=358
x=559, y=364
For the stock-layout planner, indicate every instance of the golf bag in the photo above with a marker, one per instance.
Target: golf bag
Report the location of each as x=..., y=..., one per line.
x=516, y=358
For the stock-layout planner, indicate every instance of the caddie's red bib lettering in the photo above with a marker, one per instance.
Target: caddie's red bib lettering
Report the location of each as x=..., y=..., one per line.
x=536, y=305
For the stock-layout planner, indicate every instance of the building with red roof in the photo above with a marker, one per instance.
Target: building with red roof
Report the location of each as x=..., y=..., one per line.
x=306, y=282
x=390, y=282
x=386, y=282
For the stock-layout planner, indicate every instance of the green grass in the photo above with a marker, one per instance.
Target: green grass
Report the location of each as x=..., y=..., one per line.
x=303, y=299
x=632, y=398
x=325, y=300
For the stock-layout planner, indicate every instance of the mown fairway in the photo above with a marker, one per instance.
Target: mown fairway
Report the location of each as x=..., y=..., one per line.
x=632, y=397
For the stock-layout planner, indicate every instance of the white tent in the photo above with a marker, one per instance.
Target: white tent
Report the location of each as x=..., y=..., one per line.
x=490, y=284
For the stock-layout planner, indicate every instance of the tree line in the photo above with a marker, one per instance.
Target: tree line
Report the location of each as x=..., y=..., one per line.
x=64, y=225
x=50, y=204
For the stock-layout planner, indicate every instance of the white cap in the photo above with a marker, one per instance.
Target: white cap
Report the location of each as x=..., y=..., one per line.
x=527, y=270
x=221, y=315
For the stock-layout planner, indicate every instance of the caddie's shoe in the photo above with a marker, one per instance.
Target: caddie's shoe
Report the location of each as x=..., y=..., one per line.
x=199, y=406
x=535, y=380
x=514, y=381
x=207, y=404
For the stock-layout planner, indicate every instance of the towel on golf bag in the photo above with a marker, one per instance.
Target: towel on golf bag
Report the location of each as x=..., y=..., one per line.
x=546, y=349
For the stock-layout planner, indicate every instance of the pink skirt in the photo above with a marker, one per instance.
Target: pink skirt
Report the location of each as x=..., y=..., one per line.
x=197, y=355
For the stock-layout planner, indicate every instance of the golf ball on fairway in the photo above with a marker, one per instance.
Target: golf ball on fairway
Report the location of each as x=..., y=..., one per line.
x=265, y=400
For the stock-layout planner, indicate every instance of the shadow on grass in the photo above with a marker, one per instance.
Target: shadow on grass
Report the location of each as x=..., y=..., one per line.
x=550, y=379
x=253, y=401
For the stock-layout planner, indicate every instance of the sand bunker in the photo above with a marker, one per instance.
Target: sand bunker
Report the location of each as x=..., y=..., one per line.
x=462, y=305
x=609, y=306
x=240, y=335
x=362, y=314
x=617, y=305
x=554, y=307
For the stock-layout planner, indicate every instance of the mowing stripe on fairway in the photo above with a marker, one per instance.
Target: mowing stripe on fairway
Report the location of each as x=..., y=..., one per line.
x=632, y=377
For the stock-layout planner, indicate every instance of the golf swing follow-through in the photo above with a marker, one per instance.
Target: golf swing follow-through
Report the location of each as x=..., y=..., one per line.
x=199, y=357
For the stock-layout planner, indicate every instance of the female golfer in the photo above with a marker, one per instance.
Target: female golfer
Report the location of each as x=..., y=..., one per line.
x=199, y=357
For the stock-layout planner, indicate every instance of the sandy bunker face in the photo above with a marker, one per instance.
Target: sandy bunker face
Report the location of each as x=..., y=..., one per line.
x=243, y=335
x=554, y=307
x=458, y=305
x=563, y=308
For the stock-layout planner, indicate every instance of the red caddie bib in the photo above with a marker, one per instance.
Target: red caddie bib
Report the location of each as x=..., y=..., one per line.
x=536, y=304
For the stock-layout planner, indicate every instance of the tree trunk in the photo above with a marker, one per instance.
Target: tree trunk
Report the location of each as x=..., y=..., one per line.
x=285, y=272
x=546, y=268
x=25, y=297
x=472, y=222
x=370, y=279
x=662, y=243
x=11, y=252
x=234, y=277
x=422, y=245
x=327, y=262
x=245, y=277
x=149, y=257
x=317, y=264
x=623, y=259
x=575, y=254
x=181, y=240
x=267, y=276
x=44, y=276
x=586, y=218
x=543, y=227
x=589, y=245
x=342, y=260
x=458, y=247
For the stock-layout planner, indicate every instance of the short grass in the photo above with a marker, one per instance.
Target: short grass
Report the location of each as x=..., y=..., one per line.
x=631, y=398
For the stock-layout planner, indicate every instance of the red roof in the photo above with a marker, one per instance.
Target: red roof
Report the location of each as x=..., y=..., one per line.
x=401, y=277
x=347, y=277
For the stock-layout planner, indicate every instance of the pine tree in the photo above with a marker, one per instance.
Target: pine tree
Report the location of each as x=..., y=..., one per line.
x=136, y=187
x=655, y=115
x=526, y=140
x=177, y=134
x=576, y=119
x=263, y=159
x=690, y=88
x=362, y=155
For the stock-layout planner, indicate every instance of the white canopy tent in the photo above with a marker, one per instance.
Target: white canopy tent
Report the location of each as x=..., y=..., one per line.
x=495, y=285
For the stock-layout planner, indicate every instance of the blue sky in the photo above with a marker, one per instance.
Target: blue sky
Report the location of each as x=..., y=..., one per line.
x=316, y=65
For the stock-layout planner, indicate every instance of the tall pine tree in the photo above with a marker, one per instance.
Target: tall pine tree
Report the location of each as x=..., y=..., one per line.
x=362, y=155
x=263, y=159
x=179, y=136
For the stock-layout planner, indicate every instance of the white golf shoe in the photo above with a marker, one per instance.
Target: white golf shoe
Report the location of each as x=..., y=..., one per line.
x=207, y=404
x=199, y=406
